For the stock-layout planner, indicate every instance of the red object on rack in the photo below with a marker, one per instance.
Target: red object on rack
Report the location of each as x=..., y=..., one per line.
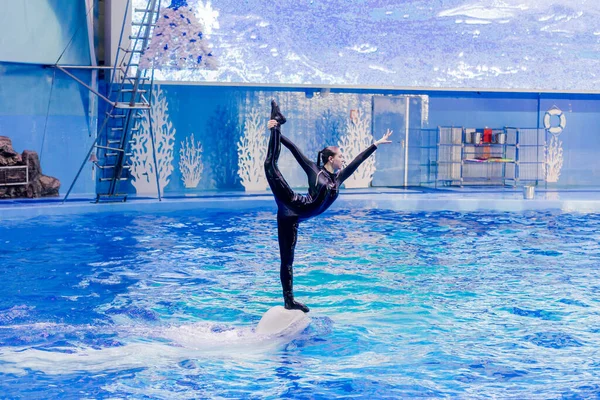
x=487, y=135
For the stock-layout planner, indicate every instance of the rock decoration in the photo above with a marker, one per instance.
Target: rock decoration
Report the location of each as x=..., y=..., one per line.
x=38, y=184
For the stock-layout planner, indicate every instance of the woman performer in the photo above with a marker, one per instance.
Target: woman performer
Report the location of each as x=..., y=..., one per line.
x=324, y=182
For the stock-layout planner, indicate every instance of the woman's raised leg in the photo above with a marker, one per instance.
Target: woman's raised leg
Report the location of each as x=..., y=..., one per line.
x=280, y=188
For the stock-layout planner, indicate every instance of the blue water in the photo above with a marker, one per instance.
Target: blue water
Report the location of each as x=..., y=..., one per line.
x=435, y=305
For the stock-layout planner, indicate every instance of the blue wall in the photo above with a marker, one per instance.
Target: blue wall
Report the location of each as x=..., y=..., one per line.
x=580, y=138
x=216, y=116
x=39, y=31
x=42, y=109
x=483, y=110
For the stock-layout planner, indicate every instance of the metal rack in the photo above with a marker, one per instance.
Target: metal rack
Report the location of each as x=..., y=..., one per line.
x=519, y=160
x=14, y=175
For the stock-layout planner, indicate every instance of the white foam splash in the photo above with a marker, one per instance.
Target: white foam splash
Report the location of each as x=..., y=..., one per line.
x=68, y=360
x=148, y=347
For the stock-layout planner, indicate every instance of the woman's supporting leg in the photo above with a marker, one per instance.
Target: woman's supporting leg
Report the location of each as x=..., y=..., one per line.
x=287, y=230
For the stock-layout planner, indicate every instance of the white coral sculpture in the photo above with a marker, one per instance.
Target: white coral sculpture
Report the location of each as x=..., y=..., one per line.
x=252, y=150
x=178, y=41
x=358, y=137
x=554, y=159
x=142, y=163
x=190, y=162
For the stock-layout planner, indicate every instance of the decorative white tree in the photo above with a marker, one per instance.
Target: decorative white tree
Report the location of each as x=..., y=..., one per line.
x=554, y=159
x=358, y=137
x=142, y=164
x=252, y=150
x=190, y=162
x=178, y=41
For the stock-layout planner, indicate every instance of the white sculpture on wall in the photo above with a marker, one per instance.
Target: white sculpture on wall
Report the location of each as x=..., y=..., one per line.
x=178, y=41
x=554, y=159
x=358, y=137
x=252, y=150
x=142, y=164
x=190, y=162
x=554, y=151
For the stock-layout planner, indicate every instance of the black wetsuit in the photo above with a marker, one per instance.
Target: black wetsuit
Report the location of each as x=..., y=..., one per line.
x=323, y=189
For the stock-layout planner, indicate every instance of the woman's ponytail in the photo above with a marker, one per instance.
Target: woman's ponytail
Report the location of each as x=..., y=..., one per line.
x=324, y=155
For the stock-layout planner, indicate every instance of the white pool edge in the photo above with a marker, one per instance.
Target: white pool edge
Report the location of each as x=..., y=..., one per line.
x=409, y=202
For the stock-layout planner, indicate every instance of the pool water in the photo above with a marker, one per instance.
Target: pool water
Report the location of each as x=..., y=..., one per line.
x=163, y=305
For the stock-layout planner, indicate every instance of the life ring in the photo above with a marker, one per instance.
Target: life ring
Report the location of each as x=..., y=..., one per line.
x=555, y=130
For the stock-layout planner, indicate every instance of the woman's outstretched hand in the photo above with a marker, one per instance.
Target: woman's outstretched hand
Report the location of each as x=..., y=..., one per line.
x=271, y=124
x=384, y=139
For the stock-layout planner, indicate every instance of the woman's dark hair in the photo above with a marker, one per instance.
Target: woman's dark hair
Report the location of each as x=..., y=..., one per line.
x=324, y=154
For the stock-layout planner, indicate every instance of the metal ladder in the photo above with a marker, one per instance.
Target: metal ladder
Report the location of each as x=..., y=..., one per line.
x=131, y=103
x=129, y=97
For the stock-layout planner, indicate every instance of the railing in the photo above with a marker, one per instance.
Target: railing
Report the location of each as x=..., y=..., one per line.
x=9, y=179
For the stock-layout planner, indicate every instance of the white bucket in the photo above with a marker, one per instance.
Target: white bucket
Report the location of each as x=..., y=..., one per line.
x=528, y=192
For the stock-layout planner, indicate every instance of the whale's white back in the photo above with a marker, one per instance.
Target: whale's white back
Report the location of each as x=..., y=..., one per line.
x=279, y=321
